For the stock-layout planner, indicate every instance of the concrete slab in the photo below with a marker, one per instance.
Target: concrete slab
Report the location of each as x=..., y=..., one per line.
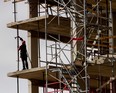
x=38, y=24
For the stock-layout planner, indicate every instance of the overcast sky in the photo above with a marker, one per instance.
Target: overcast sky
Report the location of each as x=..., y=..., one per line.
x=8, y=52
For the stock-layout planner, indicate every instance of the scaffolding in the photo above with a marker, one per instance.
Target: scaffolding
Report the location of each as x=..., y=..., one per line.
x=81, y=28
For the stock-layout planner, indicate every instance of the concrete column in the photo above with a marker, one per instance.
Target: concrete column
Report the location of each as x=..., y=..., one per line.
x=76, y=45
x=33, y=47
x=33, y=44
x=33, y=35
x=33, y=88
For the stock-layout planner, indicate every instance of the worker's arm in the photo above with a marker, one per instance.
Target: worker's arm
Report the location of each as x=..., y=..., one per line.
x=20, y=38
x=19, y=48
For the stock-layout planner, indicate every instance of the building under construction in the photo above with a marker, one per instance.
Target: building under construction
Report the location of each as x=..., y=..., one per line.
x=79, y=40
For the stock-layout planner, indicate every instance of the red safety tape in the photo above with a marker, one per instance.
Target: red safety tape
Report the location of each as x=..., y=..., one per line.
x=80, y=38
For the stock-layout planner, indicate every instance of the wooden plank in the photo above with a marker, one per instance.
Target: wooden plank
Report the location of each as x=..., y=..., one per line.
x=16, y=1
x=14, y=24
x=6, y=0
x=102, y=45
x=33, y=73
x=102, y=38
x=28, y=74
x=109, y=37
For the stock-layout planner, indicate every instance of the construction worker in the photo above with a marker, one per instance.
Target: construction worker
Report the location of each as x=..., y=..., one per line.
x=23, y=53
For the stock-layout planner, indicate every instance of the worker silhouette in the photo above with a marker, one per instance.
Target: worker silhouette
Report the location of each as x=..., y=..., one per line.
x=23, y=53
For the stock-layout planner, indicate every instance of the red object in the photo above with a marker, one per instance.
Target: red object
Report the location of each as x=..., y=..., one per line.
x=23, y=42
x=80, y=38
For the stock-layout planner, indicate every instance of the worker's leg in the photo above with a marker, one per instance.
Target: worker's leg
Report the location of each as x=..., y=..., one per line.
x=23, y=63
x=26, y=63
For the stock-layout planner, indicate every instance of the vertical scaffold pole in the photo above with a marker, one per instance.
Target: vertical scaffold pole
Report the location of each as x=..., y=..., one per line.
x=112, y=84
x=17, y=59
x=85, y=45
x=15, y=19
x=46, y=87
x=111, y=34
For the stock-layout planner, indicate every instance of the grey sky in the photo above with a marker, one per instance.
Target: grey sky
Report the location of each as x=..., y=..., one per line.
x=8, y=53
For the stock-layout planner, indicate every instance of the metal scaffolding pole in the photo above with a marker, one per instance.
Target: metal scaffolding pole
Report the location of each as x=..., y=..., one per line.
x=85, y=46
x=46, y=72
x=15, y=19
